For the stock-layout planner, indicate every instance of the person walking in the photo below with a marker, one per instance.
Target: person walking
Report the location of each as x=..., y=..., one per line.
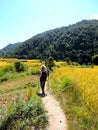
x=43, y=77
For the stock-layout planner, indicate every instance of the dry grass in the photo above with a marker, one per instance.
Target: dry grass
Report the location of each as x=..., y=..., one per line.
x=9, y=90
x=86, y=80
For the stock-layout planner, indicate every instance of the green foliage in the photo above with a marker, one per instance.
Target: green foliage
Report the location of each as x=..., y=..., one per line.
x=25, y=114
x=66, y=84
x=19, y=66
x=67, y=60
x=8, y=48
x=6, y=69
x=78, y=42
x=33, y=71
x=95, y=59
x=50, y=63
x=74, y=64
x=71, y=99
x=9, y=72
x=4, y=77
x=6, y=73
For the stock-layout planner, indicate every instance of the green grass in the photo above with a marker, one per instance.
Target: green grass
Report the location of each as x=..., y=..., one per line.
x=70, y=98
x=19, y=88
x=9, y=73
x=24, y=114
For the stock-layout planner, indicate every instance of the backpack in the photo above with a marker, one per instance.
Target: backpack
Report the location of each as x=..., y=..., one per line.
x=44, y=75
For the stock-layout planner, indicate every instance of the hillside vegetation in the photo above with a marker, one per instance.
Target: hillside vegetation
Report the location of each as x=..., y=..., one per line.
x=8, y=48
x=78, y=42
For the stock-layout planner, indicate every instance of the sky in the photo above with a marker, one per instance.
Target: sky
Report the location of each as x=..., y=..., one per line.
x=22, y=19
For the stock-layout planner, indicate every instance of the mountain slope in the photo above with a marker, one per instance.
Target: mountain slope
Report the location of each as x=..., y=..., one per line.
x=79, y=42
x=8, y=48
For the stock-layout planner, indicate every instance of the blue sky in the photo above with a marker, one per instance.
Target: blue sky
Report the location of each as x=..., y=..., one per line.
x=22, y=19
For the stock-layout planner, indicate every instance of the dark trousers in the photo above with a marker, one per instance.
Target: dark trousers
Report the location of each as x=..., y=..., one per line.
x=42, y=84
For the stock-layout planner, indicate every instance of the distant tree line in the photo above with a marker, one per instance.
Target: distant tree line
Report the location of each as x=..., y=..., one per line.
x=78, y=42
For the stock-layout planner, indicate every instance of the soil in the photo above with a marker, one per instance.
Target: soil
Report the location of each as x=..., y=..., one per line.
x=57, y=119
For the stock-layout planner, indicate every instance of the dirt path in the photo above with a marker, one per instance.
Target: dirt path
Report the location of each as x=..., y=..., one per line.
x=57, y=120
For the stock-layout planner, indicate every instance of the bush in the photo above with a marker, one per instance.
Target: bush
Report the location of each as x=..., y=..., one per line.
x=19, y=66
x=95, y=59
x=50, y=62
x=24, y=115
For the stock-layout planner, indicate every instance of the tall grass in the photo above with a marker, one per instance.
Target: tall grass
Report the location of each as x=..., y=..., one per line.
x=9, y=70
x=20, y=107
x=25, y=112
x=5, y=72
x=77, y=90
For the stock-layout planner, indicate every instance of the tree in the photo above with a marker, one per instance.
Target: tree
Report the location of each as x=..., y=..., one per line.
x=19, y=66
x=67, y=60
x=50, y=62
x=95, y=60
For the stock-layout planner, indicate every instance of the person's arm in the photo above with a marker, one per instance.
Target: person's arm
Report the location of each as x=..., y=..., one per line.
x=39, y=74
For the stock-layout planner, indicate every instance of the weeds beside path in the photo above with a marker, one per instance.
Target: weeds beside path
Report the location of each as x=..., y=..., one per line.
x=17, y=82
x=10, y=88
x=57, y=119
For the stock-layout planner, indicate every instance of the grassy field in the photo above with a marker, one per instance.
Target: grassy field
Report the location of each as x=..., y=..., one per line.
x=75, y=87
x=77, y=90
x=20, y=107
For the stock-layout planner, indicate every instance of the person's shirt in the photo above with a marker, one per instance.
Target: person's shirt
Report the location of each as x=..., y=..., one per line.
x=43, y=75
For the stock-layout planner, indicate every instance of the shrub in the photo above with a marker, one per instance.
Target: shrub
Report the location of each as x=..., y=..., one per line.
x=19, y=66
x=95, y=59
x=50, y=62
x=25, y=114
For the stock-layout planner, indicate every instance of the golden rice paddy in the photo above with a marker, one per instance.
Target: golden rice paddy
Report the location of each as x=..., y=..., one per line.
x=86, y=80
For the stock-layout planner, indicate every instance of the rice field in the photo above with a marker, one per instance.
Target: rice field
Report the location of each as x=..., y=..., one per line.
x=86, y=80
x=11, y=88
x=18, y=95
x=32, y=63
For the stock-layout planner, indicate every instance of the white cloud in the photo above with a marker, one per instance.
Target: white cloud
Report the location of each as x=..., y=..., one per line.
x=50, y=10
x=95, y=16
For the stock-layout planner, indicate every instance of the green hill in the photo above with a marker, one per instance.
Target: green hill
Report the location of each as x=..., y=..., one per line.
x=79, y=42
x=8, y=48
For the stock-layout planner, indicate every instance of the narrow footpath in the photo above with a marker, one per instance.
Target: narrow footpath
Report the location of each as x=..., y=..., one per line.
x=57, y=119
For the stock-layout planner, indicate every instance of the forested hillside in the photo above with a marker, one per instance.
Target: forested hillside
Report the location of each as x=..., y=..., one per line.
x=8, y=48
x=79, y=42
